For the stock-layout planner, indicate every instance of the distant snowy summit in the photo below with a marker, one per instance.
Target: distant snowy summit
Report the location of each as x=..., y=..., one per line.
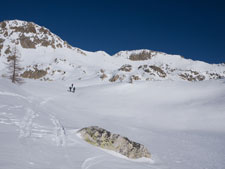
x=45, y=56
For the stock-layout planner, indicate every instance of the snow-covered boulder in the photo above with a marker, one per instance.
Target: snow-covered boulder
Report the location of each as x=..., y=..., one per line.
x=102, y=138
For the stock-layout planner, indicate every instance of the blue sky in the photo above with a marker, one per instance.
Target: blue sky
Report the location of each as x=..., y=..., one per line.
x=193, y=29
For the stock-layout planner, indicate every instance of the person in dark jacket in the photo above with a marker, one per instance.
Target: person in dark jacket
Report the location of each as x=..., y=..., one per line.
x=71, y=87
x=74, y=89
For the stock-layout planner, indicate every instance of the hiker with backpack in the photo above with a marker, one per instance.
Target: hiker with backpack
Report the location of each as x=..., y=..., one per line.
x=72, y=88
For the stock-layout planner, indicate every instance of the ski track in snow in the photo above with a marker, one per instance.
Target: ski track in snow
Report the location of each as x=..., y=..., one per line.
x=45, y=101
x=91, y=161
x=60, y=132
x=15, y=95
x=28, y=127
x=36, y=122
x=26, y=124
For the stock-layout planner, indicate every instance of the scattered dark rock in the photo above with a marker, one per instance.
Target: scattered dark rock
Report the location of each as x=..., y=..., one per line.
x=59, y=45
x=159, y=71
x=126, y=68
x=8, y=51
x=43, y=30
x=121, y=78
x=102, y=71
x=134, y=77
x=6, y=34
x=103, y=76
x=1, y=46
x=78, y=50
x=215, y=76
x=191, y=75
x=2, y=25
x=200, y=77
x=29, y=28
x=1, y=40
x=114, y=78
x=27, y=43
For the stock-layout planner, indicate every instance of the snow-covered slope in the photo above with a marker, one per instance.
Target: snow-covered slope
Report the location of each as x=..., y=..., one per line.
x=182, y=124
x=46, y=56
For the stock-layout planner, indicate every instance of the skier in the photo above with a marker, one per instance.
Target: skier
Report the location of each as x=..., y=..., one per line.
x=71, y=87
x=74, y=89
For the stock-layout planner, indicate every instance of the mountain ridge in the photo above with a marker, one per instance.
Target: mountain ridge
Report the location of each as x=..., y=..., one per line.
x=46, y=56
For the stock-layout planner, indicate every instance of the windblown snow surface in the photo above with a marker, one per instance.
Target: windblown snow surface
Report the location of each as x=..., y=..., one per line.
x=181, y=123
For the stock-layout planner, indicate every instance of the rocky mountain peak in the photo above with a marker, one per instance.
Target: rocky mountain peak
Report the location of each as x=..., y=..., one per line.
x=28, y=35
x=46, y=56
x=138, y=55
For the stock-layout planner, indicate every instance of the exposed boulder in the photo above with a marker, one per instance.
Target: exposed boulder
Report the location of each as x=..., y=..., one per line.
x=114, y=78
x=145, y=68
x=7, y=51
x=1, y=40
x=135, y=77
x=30, y=35
x=103, y=76
x=215, y=76
x=200, y=77
x=144, y=55
x=121, y=78
x=28, y=28
x=27, y=43
x=1, y=46
x=191, y=75
x=102, y=71
x=3, y=25
x=186, y=76
x=102, y=138
x=34, y=74
x=159, y=71
x=126, y=68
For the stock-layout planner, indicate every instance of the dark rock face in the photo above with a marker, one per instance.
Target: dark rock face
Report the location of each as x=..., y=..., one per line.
x=102, y=138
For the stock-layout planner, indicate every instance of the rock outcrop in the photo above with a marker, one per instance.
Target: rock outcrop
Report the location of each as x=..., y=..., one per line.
x=144, y=55
x=29, y=35
x=34, y=74
x=102, y=138
x=114, y=78
x=126, y=68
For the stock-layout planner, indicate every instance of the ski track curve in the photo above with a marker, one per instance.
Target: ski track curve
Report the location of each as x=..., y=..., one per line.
x=15, y=95
x=91, y=161
x=26, y=123
x=60, y=132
